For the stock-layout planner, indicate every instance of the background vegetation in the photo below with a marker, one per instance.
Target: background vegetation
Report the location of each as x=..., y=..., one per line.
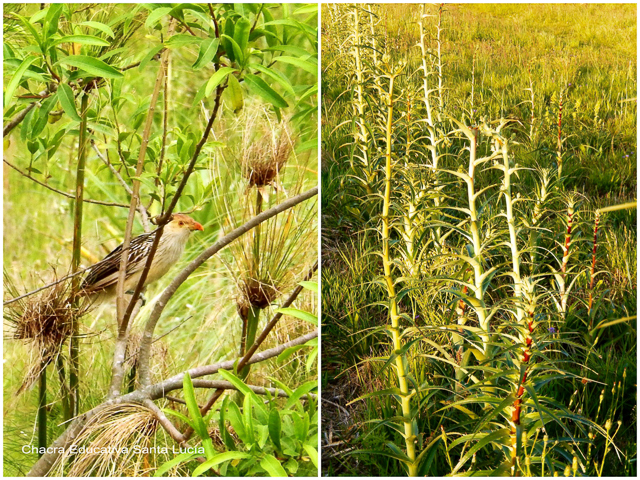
x=255, y=66
x=564, y=76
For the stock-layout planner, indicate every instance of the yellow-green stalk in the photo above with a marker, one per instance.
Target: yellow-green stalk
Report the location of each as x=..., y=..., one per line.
x=426, y=72
x=362, y=137
x=405, y=395
x=511, y=222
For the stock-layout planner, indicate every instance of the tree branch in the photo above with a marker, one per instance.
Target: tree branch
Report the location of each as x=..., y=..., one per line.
x=272, y=323
x=153, y=392
x=147, y=337
x=65, y=194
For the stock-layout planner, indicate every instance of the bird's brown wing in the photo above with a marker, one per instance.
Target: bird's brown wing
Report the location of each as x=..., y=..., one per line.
x=105, y=273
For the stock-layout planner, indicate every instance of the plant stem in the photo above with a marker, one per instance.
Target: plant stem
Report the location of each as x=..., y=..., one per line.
x=74, y=347
x=405, y=396
x=515, y=254
x=42, y=408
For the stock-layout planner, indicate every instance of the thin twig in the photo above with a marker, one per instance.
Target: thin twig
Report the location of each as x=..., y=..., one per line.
x=141, y=209
x=65, y=194
x=17, y=119
x=165, y=422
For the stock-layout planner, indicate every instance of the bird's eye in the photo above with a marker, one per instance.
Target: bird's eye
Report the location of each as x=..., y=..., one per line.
x=181, y=223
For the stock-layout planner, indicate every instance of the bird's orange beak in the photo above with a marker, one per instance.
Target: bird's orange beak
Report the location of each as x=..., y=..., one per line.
x=198, y=226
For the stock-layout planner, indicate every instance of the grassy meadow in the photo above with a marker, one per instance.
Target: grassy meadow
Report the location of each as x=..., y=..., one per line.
x=479, y=239
x=273, y=119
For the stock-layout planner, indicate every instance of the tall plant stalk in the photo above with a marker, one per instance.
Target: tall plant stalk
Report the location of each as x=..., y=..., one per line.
x=431, y=127
x=74, y=354
x=511, y=222
x=387, y=261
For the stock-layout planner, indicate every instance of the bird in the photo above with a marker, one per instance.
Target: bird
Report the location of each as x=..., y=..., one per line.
x=101, y=281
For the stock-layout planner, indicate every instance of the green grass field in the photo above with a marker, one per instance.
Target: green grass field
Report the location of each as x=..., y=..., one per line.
x=565, y=76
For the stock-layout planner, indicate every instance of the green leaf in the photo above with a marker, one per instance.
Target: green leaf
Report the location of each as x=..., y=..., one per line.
x=179, y=415
x=217, y=78
x=237, y=53
x=218, y=459
x=313, y=286
x=165, y=467
x=300, y=391
x=208, y=50
x=275, y=75
x=312, y=452
x=275, y=428
x=17, y=78
x=260, y=87
x=149, y=56
x=65, y=96
x=310, y=67
x=53, y=17
x=234, y=91
x=92, y=66
x=272, y=466
x=604, y=323
x=311, y=8
x=99, y=26
x=499, y=436
x=181, y=40
x=156, y=15
x=241, y=37
x=301, y=314
x=83, y=40
x=43, y=115
x=194, y=411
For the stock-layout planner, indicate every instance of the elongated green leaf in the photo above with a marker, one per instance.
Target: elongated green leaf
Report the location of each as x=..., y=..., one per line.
x=275, y=75
x=194, y=412
x=301, y=314
x=300, y=391
x=181, y=40
x=156, y=15
x=499, y=436
x=604, y=324
x=313, y=286
x=149, y=56
x=43, y=115
x=92, y=66
x=234, y=91
x=17, y=78
x=217, y=78
x=312, y=452
x=65, y=96
x=272, y=466
x=165, y=467
x=310, y=67
x=99, y=26
x=208, y=50
x=260, y=87
x=83, y=40
x=179, y=415
x=218, y=459
x=241, y=37
x=275, y=428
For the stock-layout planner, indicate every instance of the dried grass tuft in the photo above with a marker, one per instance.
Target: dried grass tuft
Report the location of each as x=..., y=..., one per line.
x=106, y=447
x=45, y=321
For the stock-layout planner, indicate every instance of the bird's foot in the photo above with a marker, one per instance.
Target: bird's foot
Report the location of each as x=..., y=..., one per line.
x=142, y=298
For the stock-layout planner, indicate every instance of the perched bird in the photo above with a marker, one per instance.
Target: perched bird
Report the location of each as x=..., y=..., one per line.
x=102, y=280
